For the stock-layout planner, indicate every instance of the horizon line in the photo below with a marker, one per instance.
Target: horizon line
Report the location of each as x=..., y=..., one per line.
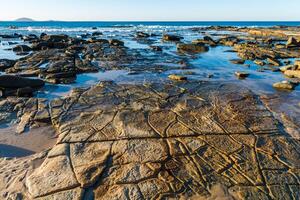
x=152, y=20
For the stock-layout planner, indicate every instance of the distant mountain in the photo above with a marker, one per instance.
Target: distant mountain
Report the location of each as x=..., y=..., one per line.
x=24, y=19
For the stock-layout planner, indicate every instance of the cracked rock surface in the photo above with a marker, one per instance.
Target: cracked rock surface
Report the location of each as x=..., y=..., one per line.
x=160, y=141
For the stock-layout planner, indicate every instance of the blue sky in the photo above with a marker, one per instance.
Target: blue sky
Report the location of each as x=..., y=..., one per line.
x=155, y=10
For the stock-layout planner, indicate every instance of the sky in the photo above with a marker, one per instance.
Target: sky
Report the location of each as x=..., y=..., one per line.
x=151, y=10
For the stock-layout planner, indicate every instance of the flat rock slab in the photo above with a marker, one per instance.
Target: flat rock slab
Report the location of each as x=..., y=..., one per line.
x=164, y=141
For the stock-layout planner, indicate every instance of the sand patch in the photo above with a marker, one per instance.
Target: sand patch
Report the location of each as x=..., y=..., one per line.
x=34, y=141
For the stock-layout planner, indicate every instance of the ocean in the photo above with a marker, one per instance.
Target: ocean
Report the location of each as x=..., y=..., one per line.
x=71, y=27
x=147, y=23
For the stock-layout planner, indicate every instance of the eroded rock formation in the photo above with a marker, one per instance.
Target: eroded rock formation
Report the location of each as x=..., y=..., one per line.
x=173, y=140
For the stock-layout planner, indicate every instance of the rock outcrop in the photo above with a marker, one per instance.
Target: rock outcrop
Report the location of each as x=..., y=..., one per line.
x=162, y=141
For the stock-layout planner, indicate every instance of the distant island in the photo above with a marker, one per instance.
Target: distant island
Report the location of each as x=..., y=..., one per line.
x=24, y=19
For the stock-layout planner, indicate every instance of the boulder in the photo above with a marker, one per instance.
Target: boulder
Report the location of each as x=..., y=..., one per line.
x=115, y=42
x=171, y=38
x=177, y=77
x=21, y=48
x=288, y=67
x=284, y=85
x=55, y=38
x=13, y=82
x=43, y=45
x=30, y=38
x=192, y=48
x=240, y=74
x=6, y=63
x=43, y=35
x=97, y=33
x=209, y=40
x=292, y=73
x=229, y=40
x=24, y=92
x=237, y=61
x=292, y=42
x=142, y=35
x=100, y=41
x=156, y=48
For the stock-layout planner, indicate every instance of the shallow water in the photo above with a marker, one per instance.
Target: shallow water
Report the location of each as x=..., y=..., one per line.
x=215, y=62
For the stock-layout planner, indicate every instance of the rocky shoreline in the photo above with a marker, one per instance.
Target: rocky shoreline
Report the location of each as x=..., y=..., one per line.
x=170, y=137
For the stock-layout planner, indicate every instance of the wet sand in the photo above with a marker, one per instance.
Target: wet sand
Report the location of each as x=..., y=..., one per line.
x=34, y=141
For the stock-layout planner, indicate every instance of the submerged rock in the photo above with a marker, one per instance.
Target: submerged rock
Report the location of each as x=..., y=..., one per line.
x=237, y=61
x=284, y=85
x=177, y=77
x=192, y=48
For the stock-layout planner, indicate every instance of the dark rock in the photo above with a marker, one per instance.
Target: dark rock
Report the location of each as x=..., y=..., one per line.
x=171, y=38
x=43, y=45
x=43, y=35
x=30, y=38
x=240, y=74
x=156, y=48
x=21, y=48
x=292, y=42
x=6, y=63
x=237, y=61
x=24, y=92
x=115, y=42
x=95, y=40
x=142, y=35
x=13, y=36
x=55, y=38
x=97, y=33
x=209, y=40
x=61, y=75
x=9, y=81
